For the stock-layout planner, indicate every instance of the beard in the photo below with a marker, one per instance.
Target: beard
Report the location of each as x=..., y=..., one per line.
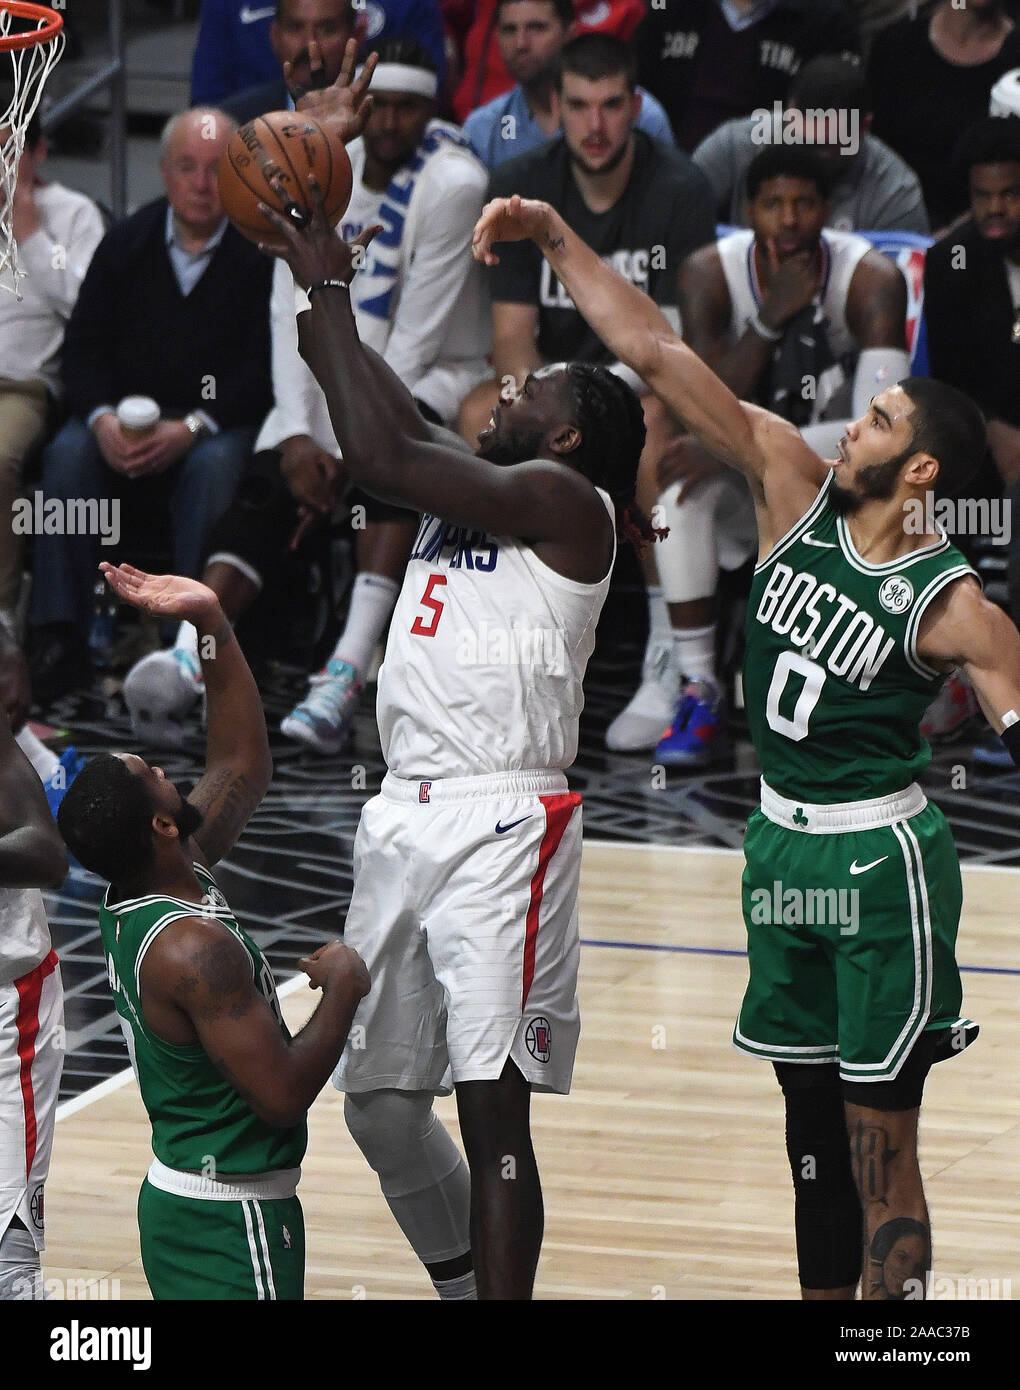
x=578, y=160
x=187, y=817
x=875, y=483
x=512, y=446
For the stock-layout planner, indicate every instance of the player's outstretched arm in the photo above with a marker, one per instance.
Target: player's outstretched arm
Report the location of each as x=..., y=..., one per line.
x=32, y=854
x=383, y=446
x=238, y=766
x=198, y=971
x=963, y=628
x=634, y=328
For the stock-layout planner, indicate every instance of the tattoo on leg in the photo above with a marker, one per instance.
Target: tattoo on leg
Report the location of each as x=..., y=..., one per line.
x=898, y=1258
x=870, y=1156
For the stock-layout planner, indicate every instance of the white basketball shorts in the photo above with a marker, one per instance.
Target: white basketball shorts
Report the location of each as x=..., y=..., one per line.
x=465, y=912
x=31, y=1060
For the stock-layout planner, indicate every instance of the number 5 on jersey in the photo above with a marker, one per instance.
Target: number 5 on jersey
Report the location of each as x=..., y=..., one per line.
x=419, y=627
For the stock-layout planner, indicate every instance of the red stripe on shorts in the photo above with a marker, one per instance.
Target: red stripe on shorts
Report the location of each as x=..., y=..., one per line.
x=558, y=810
x=29, y=989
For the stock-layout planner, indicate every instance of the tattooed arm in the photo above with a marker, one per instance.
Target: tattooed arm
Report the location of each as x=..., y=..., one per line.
x=238, y=767
x=197, y=986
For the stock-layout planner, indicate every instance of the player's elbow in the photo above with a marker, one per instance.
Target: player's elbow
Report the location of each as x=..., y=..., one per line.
x=279, y=1110
x=49, y=860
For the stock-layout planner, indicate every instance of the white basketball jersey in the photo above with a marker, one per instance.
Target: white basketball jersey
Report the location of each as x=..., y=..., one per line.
x=24, y=932
x=841, y=254
x=486, y=654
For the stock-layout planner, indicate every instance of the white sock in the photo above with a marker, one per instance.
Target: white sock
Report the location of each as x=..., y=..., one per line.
x=187, y=639
x=459, y=1290
x=43, y=759
x=658, y=613
x=695, y=652
x=372, y=600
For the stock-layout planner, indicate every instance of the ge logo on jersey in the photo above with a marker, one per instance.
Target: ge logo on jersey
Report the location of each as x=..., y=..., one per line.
x=538, y=1039
x=896, y=594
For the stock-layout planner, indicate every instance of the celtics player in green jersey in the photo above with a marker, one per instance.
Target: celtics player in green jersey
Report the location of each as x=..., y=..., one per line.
x=225, y=1086
x=852, y=888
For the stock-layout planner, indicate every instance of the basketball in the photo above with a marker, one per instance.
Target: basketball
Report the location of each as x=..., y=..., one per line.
x=282, y=147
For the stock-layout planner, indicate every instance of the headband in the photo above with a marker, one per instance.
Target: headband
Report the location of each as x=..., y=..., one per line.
x=402, y=77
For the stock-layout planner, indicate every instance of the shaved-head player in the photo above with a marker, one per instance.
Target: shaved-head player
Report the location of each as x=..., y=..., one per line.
x=855, y=617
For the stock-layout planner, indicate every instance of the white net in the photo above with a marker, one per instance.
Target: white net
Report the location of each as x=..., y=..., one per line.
x=23, y=74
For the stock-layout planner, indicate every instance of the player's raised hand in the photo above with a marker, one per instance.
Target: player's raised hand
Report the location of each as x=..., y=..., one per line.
x=164, y=595
x=337, y=965
x=346, y=104
x=509, y=219
x=314, y=251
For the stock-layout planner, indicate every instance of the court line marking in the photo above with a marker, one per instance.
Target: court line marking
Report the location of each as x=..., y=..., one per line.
x=733, y=951
x=965, y=864
x=121, y=1078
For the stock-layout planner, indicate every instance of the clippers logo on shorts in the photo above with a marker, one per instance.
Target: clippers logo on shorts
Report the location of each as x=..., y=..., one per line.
x=896, y=594
x=423, y=791
x=36, y=1208
x=538, y=1039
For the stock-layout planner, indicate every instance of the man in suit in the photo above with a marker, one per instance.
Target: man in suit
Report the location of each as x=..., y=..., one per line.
x=175, y=306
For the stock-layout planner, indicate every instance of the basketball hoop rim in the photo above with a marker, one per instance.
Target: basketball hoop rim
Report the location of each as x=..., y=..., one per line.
x=23, y=10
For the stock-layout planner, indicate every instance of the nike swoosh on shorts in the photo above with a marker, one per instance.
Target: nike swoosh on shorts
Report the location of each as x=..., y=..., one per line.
x=856, y=868
x=502, y=829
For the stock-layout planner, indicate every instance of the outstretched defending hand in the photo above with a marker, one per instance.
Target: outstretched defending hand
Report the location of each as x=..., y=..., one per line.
x=345, y=106
x=164, y=595
x=315, y=252
x=509, y=219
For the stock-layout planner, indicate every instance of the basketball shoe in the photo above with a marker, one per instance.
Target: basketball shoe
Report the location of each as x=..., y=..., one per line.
x=697, y=735
x=322, y=721
x=160, y=691
x=641, y=723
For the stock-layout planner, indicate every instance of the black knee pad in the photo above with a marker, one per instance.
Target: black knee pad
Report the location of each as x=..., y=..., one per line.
x=828, y=1210
x=906, y=1090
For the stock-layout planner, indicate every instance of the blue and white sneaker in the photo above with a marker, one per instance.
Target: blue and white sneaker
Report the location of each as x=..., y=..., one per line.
x=697, y=735
x=322, y=721
x=160, y=692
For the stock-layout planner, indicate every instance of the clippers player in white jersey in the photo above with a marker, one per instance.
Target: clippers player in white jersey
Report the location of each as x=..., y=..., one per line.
x=32, y=856
x=467, y=863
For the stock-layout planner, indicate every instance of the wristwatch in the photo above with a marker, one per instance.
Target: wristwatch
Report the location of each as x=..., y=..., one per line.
x=199, y=429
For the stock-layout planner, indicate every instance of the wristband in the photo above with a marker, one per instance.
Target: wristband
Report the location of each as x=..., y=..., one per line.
x=757, y=325
x=1011, y=736
x=327, y=285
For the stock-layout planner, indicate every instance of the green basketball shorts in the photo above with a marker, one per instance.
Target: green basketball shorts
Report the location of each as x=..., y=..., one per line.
x=202, y=1248
x=852, y=913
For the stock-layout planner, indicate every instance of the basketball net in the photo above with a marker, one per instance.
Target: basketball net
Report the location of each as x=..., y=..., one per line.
x=30, y=67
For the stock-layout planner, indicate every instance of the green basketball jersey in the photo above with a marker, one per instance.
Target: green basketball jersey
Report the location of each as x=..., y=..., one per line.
x=833, y=685
x=199, y=1122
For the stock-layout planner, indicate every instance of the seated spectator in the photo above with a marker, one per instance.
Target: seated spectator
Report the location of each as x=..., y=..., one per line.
x=710, y=61
x=175, y=306
x=531, y=35
x=640, y=204
x=56, y=231
x=972, y=304
x=872, y=188
x=331, y=23
x=237, y=40
x=420, y=302
x=484, y=74
x=788, y=315
x=931, y=77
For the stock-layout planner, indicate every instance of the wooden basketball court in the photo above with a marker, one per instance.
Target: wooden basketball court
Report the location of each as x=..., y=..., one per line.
x=665, y=1170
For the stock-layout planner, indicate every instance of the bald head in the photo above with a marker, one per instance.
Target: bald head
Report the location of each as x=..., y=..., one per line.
x=190, y=148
